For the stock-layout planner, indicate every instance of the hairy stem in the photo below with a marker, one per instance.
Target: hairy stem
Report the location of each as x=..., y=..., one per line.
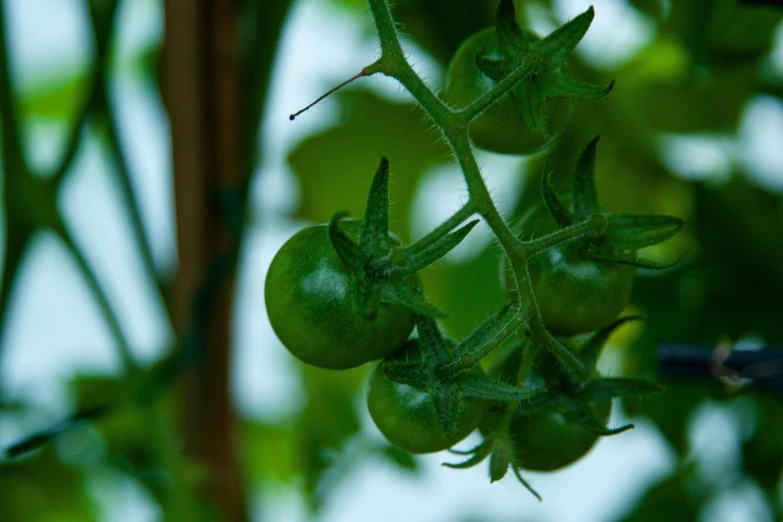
x=454, y=125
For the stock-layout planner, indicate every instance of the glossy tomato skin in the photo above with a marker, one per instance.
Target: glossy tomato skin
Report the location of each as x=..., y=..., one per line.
x=310, y=305
x=501, y=128
x=575, y=294
x=406, y=415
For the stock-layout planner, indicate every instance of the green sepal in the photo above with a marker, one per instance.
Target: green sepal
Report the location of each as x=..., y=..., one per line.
x=571, y=364
x=525, y=483
x=560, y=42
x=416, y=374
x=489, y=335
x=607, y=388
x=631, y=232
x=482, y=387
x=559, y=212
x=630, y=258
x=585, y=197
x=397, y=292
x=507, y=29
x=566, y=86
x=410, y=259
x=349, y=252
x=587, y=421
x=542, y=403
x=478, y=454
x=495, y=68
x=404, y=460
x=366, y=296
x=471, y=451
x=374, y=234
x=532, y=101
x=500, y=459
x=591, y=348
x=433, y=345
x=447, y=403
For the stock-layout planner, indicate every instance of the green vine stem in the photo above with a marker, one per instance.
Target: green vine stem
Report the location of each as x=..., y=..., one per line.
x=454, y=125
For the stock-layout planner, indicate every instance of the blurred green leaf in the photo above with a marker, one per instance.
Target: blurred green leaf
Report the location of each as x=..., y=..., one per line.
x=328, y=420
x=762, y=452
x=666, y=501
x=399, y=457
x=335, y=168
x=43, y=489
x=269, y=451
x=468, y=292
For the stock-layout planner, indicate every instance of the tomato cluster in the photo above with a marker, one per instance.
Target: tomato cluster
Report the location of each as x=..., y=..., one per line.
x=347, y=293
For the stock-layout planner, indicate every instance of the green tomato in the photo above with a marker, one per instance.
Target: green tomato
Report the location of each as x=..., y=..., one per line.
x=308, y=294
x=575, y=294
x=501, y=128
x=550, y=440
x=407, y=416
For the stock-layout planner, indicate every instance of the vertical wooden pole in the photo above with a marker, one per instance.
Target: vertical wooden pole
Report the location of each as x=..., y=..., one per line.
x=202, y=94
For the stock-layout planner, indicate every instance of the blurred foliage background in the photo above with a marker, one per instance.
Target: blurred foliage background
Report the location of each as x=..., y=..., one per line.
x=693, y=128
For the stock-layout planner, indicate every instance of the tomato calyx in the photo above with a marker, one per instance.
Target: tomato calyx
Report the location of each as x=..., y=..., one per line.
x=570, y=397
x=624, y=234
x=545, y=59
x=450, y=371
x=377, y=266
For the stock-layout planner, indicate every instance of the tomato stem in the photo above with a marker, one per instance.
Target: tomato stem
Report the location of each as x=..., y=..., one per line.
x=454, y=126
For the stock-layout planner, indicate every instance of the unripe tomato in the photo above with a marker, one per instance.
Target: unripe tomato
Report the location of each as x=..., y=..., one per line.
x=500, y=128
x=575, y=294
x=551, y=440
x=310, y=304
x=407, y=416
